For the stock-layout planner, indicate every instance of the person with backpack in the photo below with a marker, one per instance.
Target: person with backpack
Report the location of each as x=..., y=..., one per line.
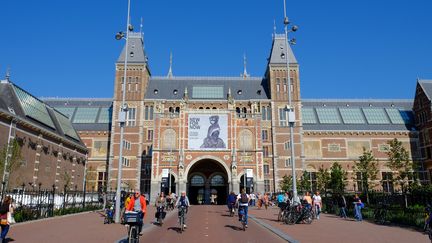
x=243, y=203
x=183, y=201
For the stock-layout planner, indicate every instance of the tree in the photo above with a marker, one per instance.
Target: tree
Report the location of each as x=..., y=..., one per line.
x=400, y=164
x=323, y=179
x=11, y=157
x=338, y=178
x=367, y=167
x=286, y=183
x=304, y=183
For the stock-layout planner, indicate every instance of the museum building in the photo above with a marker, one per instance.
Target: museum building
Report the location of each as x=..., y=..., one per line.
x=204, y=135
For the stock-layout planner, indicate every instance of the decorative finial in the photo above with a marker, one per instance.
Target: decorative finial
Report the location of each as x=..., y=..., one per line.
x=245, y=74
x=141, y=25
x=274, y=28
x=170, y=74
x=7, y=74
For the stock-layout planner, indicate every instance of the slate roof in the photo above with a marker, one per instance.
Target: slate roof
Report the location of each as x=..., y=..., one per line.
x=278, y=48
x=18, y=103
x=98, y=120
x=396, y=115
x=135, y=49
x=427, y=87
x=249, y=88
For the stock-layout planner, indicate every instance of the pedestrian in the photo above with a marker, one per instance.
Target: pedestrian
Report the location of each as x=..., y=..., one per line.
x=342, y=206
x=260, y=201
x=266, y=200
x=358, y=205
x=253, y=198
x=317, y=203
x=6, y=211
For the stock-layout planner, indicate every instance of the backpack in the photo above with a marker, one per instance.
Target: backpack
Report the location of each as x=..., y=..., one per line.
x=244, y=198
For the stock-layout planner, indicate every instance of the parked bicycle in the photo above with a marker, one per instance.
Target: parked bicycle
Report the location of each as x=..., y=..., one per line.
x=380, y=213
x=133, y=220
x=299, y=213
x=109, y=215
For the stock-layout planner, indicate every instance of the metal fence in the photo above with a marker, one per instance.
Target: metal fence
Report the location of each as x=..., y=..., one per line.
x=36, y=204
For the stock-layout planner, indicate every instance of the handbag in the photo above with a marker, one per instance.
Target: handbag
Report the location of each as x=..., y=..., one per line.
x=10, y=218
x=3, y=219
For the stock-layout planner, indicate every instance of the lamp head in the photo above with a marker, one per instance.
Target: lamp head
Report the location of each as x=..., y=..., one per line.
x=286, y=21
x=119, y=35
x=130, y=27
x=294, y=28
x=293, y=41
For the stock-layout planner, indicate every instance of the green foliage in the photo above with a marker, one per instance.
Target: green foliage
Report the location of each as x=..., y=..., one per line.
x=399, y=162
x=286, y=183
x=304, y=183
x=338, y=178
x=11, y=157
x=323, y=179
x=367, y=165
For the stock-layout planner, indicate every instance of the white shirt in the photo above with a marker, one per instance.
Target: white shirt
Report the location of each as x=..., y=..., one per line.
x=317, y=199
x=239, y=200
x=252, y=196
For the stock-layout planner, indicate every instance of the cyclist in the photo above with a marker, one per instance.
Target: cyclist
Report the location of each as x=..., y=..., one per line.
x=232, y=198
x=138, y=203
x=183, y=201
x=243, y=202
x=160, y=205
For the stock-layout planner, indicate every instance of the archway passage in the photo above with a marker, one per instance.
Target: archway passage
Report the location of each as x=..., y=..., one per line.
x=207, y=183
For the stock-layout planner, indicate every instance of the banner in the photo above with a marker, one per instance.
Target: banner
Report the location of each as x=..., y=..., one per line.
x=207, y=132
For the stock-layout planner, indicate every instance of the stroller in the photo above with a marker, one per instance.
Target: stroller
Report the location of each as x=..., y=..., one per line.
x=109, y=215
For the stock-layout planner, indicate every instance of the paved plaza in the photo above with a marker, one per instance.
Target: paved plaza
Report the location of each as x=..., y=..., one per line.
x=212, y=224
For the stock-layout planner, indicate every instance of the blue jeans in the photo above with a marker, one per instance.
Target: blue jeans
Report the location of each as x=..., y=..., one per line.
x=245, y=210
x=343, y=212
x=358, y=214
x=317, y=210
x=4, y=231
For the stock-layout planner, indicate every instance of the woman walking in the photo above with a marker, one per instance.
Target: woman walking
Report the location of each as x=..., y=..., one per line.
x=358, y=205
x=5, y=209
x=317, y=203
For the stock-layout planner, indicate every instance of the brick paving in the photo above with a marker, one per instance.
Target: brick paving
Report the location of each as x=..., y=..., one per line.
x=84, y=227
x=330, y=228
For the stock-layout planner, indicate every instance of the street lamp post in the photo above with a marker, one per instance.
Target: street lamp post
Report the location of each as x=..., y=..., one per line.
x=122, y=115
x=290, y=109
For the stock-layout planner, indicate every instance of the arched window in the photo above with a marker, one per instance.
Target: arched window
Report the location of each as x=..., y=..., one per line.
x=246, y=140
x=169, y=139
x=217, y=180
x=197, y=180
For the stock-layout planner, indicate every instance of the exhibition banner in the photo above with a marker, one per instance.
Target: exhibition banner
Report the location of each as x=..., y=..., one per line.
x=207, y=132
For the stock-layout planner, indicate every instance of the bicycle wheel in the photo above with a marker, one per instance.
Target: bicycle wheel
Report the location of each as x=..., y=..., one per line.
x=243, y=222
x=291, y=218
x=133, y=235
x=181, y=224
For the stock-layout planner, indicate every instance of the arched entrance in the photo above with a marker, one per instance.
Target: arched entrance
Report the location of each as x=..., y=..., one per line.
x=207, y=177
x=249, y=185
x=165, y=185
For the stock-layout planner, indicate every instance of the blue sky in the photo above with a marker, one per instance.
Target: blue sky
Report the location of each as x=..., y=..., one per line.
x=346, y=49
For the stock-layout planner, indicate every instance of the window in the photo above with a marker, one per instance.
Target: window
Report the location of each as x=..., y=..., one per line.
x=169, y=139
x=197, y=180
x=282, y=117
x=277, y=84
x=264, y=135
x=383, y=147
x=387, y=181
x=328, y=115
x=334, y=147
x=126, y=145
x=287, y=145
x=352, y=115
x=246, y=140
x=266, y=185
x=288, y=162
x=266, y=113
x=284, y=84
x=131, y=117
x=208, y=92
x=149, y=134
x=312, y=179
x=148, y=112
x=102, y=176
x=265, y=151
x=266, y=169
x=125, y=162
x=360, y=182
x=308, y=115
x=217, y=180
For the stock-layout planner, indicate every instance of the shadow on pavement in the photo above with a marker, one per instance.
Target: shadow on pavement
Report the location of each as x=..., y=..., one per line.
x=236, y=228
x=176, y=229
x=9, y=240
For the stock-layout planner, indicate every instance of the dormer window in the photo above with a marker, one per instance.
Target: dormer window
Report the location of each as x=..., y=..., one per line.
x=239, y=92
x=155, y=91
x=175, y=92
x=131, y=54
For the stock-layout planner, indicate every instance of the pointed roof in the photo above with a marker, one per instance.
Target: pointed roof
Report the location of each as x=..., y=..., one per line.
x=170, y=73
x=426, y=86
x=135, y=49
x=278, y=48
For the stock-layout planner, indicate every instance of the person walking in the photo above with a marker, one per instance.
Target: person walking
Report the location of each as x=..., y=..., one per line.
x=358, y=205
x=266, y=200
x=253, y=198
x=260, y=201
x=342, y=206
x=5, y=209
x=317, y=204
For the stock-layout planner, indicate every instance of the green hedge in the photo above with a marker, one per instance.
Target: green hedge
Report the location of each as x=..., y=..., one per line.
x=27, y=214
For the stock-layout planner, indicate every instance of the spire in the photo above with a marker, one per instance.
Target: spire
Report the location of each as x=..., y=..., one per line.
x=7, y=74
x=245, y=74
x=141, y=25
x=274, y=28
x=170, y=74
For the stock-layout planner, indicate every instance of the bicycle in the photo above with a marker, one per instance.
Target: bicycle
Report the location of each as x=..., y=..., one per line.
x=242, y=213
x=160, y=215
x=380, y=213
x=428, y=221
x=181, y=215
x=231, y=209
x=133, y=220
x=282, y=210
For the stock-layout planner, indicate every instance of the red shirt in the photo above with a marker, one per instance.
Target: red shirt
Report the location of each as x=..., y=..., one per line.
x=131, y=204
